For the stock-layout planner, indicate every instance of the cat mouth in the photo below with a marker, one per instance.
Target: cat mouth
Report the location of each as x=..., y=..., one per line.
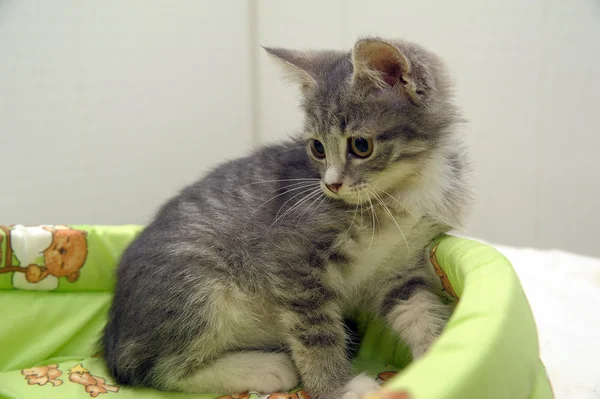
x=330, y=193
x=348, y=197
x=357, y=194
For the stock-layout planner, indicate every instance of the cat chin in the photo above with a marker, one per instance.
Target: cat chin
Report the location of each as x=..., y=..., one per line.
x=354, y=200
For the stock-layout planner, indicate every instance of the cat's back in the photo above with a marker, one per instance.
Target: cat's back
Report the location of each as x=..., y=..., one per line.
x=235, y=189
x=229, y=201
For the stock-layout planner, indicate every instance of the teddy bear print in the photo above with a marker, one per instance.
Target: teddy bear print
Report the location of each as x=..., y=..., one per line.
x=93, y=385
x=243, y=395
x=42, y=375
x=291, y=395
x=45, y=254
x=63, y=258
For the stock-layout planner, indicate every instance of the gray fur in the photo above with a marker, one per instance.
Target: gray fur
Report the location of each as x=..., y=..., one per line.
x=258, y=257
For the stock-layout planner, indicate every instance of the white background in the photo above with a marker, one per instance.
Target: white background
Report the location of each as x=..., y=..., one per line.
x=107, y=108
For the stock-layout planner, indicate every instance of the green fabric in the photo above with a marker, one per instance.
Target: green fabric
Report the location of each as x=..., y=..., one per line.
x=488, y=350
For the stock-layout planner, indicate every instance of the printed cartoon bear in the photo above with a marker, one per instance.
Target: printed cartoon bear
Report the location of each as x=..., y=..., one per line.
x=63, y=258
x=63, y=252
x=293, y=395
x=93, y=385
x=42, y=375
x=243, y=395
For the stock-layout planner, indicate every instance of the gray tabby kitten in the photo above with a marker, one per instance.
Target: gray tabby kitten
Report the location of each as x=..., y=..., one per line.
x=242, y=281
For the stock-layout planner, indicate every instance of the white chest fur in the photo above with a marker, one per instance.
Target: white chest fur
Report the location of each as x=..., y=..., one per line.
x=375, y=253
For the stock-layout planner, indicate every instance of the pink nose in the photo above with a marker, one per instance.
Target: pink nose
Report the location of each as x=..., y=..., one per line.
x=334, y=187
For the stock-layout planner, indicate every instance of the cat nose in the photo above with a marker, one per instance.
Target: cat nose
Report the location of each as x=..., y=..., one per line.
x=334, y=187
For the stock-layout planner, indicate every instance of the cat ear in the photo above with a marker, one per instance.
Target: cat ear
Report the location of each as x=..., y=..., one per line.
x=381, y=65
x=296, y=66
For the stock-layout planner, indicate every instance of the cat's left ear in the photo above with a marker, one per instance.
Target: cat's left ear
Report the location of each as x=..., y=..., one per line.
x=297, y=66
x=380, y=65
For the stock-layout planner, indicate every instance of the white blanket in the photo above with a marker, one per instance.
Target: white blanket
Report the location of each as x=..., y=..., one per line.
x=564, y=292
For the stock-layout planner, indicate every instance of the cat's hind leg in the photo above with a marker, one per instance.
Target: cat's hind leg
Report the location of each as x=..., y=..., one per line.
x=241, y=372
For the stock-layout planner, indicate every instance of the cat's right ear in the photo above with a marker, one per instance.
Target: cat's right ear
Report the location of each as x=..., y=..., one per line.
x=296, y=66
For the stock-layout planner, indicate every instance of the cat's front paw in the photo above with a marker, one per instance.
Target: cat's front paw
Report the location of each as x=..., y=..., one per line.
x=431, y=329
x=360, y=386
x=420, y=320
x=419, y=350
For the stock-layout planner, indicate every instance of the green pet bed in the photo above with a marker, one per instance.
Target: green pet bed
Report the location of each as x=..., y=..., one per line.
x=56, y=284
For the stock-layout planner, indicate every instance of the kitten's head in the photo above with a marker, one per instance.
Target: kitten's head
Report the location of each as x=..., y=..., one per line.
x=373, y=116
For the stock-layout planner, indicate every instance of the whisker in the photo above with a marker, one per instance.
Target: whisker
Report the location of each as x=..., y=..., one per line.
x=361, y=204
x=355, y=213
x=320, y=203
x=377, y=217
x=316, y=198
x=373, y=213
x=297, y=204
x=399, y=203
x=389, y=213
x=279, y=195
x=279, y=180
x=300, y=203
x=293, y=185
x=310, y=188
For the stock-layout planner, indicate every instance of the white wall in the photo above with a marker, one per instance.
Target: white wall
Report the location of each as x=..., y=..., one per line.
x=527, y=78
x=107, y=108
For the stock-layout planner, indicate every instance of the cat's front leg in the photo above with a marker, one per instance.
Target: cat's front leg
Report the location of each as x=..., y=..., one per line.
x=317, y=340
x=414, y=311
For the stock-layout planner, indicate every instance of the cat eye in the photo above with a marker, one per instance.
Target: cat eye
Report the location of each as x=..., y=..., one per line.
x=361, y=147
x=317, y=149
